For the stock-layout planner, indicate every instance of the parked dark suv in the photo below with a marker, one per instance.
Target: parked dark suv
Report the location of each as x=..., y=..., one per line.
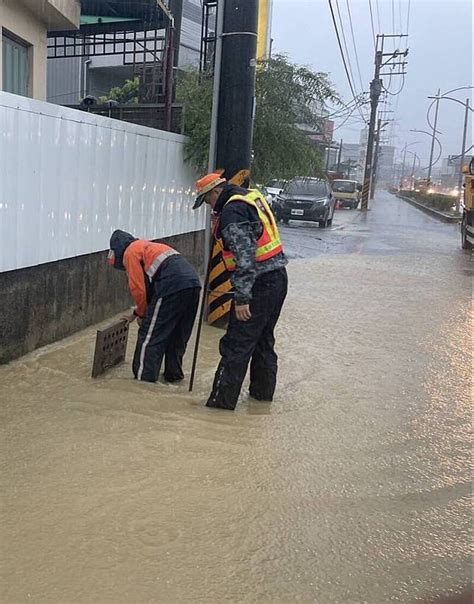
x=306, y=199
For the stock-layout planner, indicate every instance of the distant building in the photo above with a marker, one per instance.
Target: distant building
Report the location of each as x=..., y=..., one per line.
x=23, y=50
x=386, y=163
x=322, y=136
x=364, y=137
x=448, y=174
x=350, y=159
x=190, y=42
x=69, y=80
x=350, y=152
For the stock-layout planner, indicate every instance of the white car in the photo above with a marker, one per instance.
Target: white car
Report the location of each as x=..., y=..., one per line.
x=273, y=189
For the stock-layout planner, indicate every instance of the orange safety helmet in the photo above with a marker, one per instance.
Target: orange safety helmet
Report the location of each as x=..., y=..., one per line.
x=206, y=184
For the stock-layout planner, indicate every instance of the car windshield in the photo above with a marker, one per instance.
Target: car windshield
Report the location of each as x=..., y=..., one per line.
x=306, y=187
x=343, y=186
x=276, y=184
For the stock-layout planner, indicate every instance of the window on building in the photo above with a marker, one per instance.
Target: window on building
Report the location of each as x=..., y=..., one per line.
x=15, y=65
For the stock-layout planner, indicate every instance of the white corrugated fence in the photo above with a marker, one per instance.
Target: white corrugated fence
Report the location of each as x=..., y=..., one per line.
x=69, y=178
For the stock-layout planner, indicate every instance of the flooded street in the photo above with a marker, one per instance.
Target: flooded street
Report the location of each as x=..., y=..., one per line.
x=352, y=486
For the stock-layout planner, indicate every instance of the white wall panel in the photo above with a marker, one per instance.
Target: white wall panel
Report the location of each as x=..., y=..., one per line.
x=69, y=178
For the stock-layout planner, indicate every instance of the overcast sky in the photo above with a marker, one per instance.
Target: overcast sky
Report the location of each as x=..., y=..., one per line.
x=440, y=55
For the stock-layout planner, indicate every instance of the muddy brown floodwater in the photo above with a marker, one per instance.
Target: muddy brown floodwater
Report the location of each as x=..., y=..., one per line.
x=353, y=486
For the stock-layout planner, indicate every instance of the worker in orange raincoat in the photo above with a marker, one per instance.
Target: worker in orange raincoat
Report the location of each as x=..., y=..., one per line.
x=166, y=289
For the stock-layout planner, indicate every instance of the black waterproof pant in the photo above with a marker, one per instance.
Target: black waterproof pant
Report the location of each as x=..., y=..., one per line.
x=164, y=332
x=253, y=339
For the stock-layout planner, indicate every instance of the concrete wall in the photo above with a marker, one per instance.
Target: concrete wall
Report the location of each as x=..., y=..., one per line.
x=42, y=304
x=68, y=179
x=29, y=20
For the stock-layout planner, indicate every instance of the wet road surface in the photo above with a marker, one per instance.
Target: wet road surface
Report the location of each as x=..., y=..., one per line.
x=353, y=486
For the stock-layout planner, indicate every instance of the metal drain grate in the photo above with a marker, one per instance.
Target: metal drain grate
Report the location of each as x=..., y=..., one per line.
x=110, y=347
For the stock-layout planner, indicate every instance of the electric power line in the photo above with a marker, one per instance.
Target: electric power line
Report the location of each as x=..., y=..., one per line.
x=347, y=119
x=354, y=44
x=338, y=112
x=342, y=52
x=372, y=21
x=378, y=14
x=465, y=151
x=345, y=42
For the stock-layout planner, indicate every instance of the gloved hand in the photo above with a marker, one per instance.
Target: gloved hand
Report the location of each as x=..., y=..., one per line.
x=129, y=318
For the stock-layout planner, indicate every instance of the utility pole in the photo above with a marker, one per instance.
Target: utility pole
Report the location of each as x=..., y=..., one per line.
x=168, y=76
x=376, y=158
x=237, y=88
x=413, y=170
x=339, y=157
x=463, y=152
x=433, y=138
x=378, y=135
x=402, y=176
x=467, y=108
x=375, y=92
x=237, y=26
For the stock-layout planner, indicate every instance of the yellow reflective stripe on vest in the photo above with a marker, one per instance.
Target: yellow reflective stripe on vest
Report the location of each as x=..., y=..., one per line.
x=261, y=251
x=269, y=243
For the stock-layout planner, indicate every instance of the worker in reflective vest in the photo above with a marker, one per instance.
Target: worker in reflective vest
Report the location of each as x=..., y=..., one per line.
x=165, y=288
x=246, y=230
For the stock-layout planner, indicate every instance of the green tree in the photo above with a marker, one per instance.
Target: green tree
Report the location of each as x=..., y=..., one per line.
x=126, y=94
x=194, y=91
x=348, y=167
x=288, y=97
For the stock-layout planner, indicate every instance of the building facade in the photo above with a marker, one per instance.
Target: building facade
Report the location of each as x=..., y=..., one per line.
x=23, y=50
x=71, y=79
x=386, y=163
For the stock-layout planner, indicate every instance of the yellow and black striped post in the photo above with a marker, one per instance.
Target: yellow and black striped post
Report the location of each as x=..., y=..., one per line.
x=234, y=130
x=219, y=286
x=365, y=195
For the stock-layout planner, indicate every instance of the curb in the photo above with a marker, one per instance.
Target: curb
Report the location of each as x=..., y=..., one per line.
x=435, y=213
